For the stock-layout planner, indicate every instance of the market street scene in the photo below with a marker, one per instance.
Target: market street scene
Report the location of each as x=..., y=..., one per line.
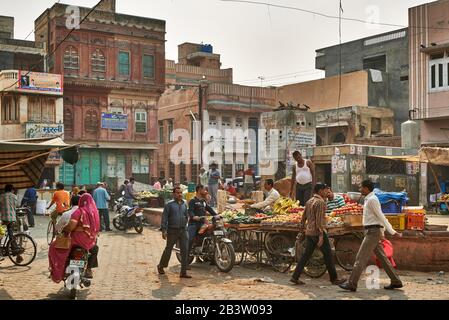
x=138, y=163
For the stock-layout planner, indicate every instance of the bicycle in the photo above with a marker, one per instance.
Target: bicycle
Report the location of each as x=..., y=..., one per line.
x=51, y=228
x=26, y=250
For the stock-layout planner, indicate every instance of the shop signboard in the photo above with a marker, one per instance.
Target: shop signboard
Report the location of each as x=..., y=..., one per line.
x=114, y=121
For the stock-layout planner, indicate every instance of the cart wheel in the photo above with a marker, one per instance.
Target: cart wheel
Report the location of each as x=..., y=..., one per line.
x=251, y=243
x=280, y=250
x=316, y=267
x=346, y=249
x=237, y=243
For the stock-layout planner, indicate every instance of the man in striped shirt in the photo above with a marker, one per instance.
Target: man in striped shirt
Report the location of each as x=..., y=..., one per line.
x=313, y=225
x=334, y=201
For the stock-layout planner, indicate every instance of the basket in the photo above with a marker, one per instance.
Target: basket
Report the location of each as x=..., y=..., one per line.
x=415, y=221
x=398, y=222
x=353, y=220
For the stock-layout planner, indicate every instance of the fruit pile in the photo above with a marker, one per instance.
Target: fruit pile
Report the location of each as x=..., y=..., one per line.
x=284, y=205
x=347, y=199
x=147, y=194
x=284, y=219
x=445, y=197
x=352, y=208
x=333, y=222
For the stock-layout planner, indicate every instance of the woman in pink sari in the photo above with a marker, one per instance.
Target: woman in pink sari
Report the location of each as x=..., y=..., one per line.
x=83, y=229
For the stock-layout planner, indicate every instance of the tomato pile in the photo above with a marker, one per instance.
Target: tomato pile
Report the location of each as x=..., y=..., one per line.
x=352, y=208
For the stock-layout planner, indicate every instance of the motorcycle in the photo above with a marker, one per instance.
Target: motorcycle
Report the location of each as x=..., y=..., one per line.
x=213, y=245
x=76, y=265
x=129, y=217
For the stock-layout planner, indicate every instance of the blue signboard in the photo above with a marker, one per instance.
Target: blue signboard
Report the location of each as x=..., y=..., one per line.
x=114, y=121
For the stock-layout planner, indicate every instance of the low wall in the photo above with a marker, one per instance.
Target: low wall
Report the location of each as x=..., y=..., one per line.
x=154, y=216
x=425, y=253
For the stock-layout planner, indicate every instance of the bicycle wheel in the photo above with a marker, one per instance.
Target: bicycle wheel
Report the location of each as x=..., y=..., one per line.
x=26, y=250
x=346, y=249
x=51, y=232
x=237, y=242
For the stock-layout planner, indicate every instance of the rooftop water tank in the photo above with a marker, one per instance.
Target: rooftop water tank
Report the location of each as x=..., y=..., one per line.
x=207, y=48
x=410, y=135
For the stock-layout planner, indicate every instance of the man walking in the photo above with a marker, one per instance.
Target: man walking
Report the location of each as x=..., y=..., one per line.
x=101, y=198
x=174, y=230
x=8, y=205
x=30, y=200
x=313, y=225
x=212, y=186
x=303, y=176
x=374, y=222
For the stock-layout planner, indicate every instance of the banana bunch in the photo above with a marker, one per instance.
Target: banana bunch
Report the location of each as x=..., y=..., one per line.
x=283, y=205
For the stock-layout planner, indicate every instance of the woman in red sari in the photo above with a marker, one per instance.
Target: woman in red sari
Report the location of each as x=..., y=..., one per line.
x=83, y=229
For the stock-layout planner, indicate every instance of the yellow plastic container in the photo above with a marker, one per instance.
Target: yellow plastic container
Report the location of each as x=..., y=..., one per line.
x=397, y=221
x=190, y=196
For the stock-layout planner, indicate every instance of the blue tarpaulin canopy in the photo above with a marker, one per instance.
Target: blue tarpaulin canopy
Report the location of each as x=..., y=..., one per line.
x=385, y=197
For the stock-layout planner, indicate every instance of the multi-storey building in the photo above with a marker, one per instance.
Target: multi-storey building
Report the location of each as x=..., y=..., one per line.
x=429, y=85
x=386, y=53
x=114, y=74
x=203, y=101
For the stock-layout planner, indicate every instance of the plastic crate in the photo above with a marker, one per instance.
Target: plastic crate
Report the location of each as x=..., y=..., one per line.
x=397, y=221
x=391, y=207
x=415, y=221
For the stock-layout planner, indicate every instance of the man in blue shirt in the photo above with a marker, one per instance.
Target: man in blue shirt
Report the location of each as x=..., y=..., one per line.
x=174, y=230
x=212, y=186
x=30, y=200
x=101, y=198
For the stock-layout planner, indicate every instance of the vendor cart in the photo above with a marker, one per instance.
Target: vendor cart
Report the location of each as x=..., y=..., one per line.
x=277, y=245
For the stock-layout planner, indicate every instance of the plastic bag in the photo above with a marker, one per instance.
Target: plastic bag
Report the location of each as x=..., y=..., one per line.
x=388, y=249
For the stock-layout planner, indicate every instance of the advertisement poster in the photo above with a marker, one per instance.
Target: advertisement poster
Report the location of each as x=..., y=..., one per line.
x=352, y=150
x=356, y=179
x=36, y=81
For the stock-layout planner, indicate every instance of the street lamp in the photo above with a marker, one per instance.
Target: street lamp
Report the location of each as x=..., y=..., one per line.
x=261, y=78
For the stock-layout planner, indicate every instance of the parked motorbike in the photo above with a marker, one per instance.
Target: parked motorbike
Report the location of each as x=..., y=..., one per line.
x=129, y=217
x=76, y=265
x=119, y=203
x=213, y=245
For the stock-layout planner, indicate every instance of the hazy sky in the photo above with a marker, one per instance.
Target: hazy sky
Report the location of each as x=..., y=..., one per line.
x=255, y=40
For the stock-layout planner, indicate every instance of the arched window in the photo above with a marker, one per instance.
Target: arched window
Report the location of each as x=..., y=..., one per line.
x=339, y=138
x=68, y=119
x=91, y=121
x=98, y=61
x=71, y=58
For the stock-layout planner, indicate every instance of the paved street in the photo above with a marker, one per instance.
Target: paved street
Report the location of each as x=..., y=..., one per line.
x=128, y=271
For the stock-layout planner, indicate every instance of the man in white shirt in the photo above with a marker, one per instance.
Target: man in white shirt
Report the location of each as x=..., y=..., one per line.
x=373, y=221
x=272, y=197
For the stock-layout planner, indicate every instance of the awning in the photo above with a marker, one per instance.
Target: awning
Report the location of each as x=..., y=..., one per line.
x=401, y=158
x=436, y=156
x=23, y=161
x=335, y=124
